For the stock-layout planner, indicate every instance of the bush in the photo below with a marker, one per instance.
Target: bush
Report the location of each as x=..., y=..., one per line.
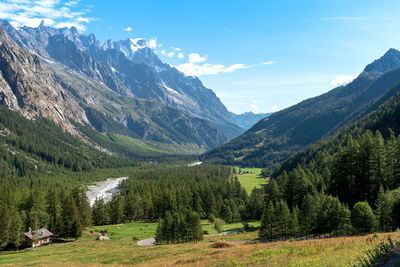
x=248, y=228
x=221, y=244
x=211, y=218
x=218, y=223
x=363, y=218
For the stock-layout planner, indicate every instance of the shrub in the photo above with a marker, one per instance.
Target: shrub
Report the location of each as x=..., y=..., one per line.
x=221, y=244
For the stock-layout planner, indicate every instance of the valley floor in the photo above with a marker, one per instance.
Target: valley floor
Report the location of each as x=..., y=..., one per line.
x=341, y=251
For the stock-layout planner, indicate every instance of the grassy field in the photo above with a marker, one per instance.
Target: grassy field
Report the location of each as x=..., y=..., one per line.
x=128, y=231
x=147, y=230
x=251, y=179
x=342, y=251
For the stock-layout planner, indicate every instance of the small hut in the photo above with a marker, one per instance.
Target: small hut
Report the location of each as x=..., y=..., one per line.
x=38, y=237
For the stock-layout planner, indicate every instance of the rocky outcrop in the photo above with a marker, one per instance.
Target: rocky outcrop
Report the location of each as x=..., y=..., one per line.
x=28, y=86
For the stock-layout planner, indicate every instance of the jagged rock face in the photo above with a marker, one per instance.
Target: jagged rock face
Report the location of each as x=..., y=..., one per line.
x=28, y=86
x=63, y=50
x=129, y=67
x=68, y=84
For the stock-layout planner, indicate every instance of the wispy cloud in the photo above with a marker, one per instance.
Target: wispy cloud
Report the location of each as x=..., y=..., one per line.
x=343, y=80
x=54, y=13
x=196, y=66
x=341, y=18
x=152, y=43
x=127, y=29
x=254, y=107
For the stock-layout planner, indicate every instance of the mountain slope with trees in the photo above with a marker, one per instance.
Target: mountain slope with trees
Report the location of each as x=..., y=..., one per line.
x=276, y=137
x=357, y=169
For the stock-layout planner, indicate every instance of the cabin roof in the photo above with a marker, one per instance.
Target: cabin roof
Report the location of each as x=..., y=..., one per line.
x=38, y=234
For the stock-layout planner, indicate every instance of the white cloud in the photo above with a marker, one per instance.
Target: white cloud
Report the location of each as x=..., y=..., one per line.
x=274, y=108
x=194, y=68
x=253, y=106
x=71, y=3
x=52, y=12
x=343, y=80
x=127, y=29
x=180, y=55
x=153, y=43
x=176, y=49
x=170, y=54
x=163, y=52
x=196, y=58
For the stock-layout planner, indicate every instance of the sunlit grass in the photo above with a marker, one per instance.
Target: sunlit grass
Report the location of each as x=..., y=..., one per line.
x=251, y=180
x=341, y=251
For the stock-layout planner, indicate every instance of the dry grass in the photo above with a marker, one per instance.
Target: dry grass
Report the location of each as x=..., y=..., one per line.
x=221, y=244
x=342, y=251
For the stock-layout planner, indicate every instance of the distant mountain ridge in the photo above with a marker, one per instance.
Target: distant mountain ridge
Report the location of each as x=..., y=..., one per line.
x=69, y=78
x=247, y=119
x=129, y=67
x=276, y=137
x=118, y=87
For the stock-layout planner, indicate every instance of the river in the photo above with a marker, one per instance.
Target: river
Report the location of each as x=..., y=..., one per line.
x=104, y=190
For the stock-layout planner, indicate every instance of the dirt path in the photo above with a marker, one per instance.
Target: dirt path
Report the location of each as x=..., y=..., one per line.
x=104, y=189
x=151, y=241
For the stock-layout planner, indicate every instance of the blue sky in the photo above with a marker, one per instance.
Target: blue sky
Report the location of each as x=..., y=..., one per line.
x=258, y=56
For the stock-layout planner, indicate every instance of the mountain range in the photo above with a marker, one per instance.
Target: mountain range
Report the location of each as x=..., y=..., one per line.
x=276, y=137
x=119, y=89
x=247, y=119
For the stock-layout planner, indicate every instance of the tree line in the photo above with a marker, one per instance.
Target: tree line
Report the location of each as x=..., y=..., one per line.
x=352, y=190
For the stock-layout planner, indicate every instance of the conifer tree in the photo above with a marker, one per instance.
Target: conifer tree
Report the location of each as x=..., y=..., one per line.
x=295, y=229
x=159, y=237
x=117, y=209
x=268, y=225
x=15, y=237
x=282, y=218
x=308, y=215
x=4, y=224
x=194, y=231
x=383, y=211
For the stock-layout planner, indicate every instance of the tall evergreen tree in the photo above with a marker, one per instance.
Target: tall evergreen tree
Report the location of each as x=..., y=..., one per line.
x=268, y=223
x=383, y=211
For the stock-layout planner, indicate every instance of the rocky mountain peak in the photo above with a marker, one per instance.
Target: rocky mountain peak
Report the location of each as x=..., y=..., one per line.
x=388, y=61
x=29, y=87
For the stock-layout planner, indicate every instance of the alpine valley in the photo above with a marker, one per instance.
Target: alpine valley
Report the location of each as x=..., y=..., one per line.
x=110, y=156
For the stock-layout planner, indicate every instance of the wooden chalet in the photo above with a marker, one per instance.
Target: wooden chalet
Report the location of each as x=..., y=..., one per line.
x=38, y=238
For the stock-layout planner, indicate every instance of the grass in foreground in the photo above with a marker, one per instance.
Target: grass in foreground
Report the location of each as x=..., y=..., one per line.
x=251, y=180
x=342, y=251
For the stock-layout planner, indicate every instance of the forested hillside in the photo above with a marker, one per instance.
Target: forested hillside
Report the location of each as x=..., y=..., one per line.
x=358, y=168
x=276, y=137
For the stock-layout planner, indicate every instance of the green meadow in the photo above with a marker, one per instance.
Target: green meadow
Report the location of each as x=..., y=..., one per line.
x=251, y=180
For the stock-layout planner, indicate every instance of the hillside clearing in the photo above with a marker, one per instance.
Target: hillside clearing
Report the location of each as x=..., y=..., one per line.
x=252, y=179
